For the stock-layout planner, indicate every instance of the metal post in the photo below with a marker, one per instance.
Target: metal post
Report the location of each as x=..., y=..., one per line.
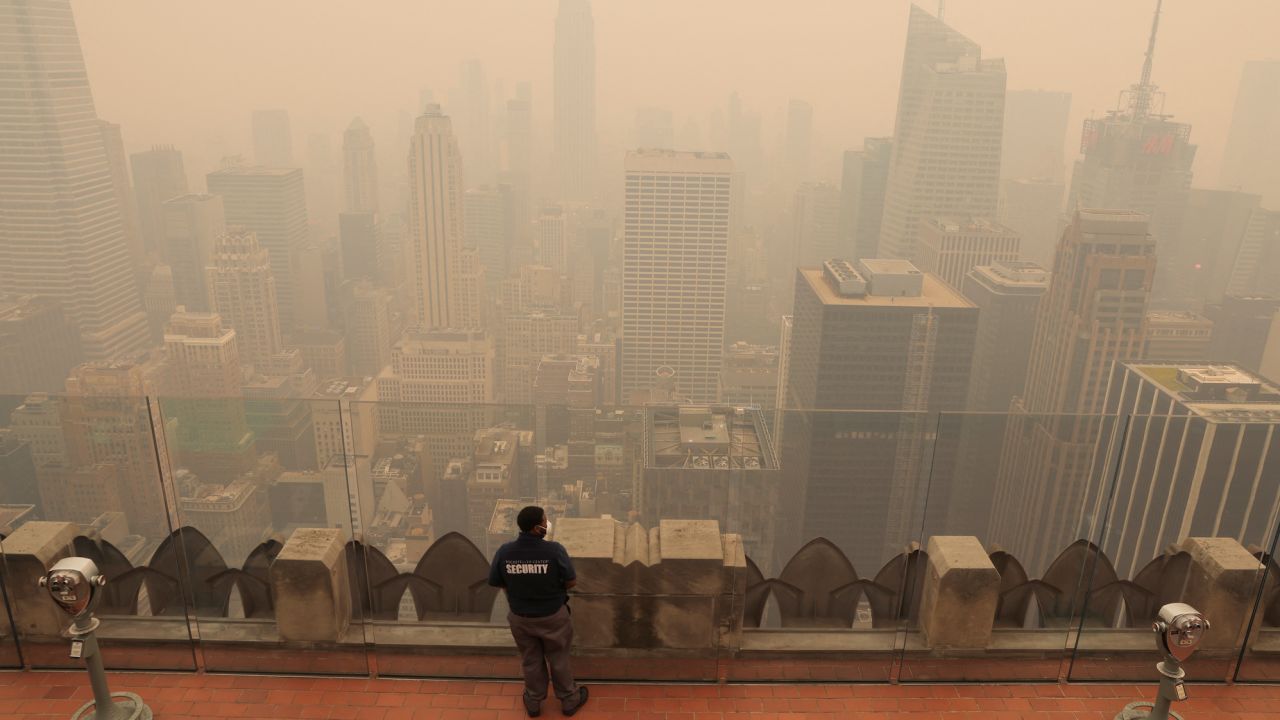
x=105, y=705
x=1171, y=690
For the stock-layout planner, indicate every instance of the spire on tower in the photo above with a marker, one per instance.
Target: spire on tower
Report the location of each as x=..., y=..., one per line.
x=1143, y=93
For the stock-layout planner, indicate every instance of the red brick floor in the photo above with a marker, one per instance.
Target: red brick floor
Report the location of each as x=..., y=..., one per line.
x=30, y=695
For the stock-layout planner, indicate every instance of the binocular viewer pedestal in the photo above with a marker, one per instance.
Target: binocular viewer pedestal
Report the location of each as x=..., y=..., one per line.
x=75, y=585
x=1179, y=629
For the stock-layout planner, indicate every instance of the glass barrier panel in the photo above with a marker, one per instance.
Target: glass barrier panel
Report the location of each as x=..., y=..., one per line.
x=1009, y=518
x=617, y=489
x=82, y=476
x=1193, y=503
x=10, y=657
x=826, y=574
x=1260, y=655
x=253, y=481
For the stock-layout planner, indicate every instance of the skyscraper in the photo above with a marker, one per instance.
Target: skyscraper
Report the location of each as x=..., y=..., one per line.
x=272, y=138
x=1035, y=125
x=1093, y=315
x=158, y=176
x=1007, y=295
x=242, y=290
x=113, y=139
x=950, y=247
x=436, y=209
x=675, y=263
x=815, y=214
x=863, y=182
x=553, y=239
x=1252, y=156
x=879, y=337
x=359, y=169
x=574, y=108
x=489, y=228
x=1033, y=209
x=61, y=233
x=368, y=323
x=946, y=146
x=192, y=224
x=272, y=204
x=798, y=144
x=1216, y=424
x=1138, y=158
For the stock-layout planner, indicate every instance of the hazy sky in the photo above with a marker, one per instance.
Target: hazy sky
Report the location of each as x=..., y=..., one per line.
x=188, y=72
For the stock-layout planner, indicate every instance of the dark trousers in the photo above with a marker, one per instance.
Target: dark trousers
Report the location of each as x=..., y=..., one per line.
x=545, y=641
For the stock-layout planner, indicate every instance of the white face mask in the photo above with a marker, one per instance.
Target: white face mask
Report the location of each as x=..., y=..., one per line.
x=546, y=529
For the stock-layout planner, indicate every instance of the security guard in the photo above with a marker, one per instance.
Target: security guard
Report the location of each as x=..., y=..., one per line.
x=536, y=575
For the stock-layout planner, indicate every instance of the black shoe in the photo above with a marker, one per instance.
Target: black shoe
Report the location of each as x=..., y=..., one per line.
x=532, y=711
x=582, y=700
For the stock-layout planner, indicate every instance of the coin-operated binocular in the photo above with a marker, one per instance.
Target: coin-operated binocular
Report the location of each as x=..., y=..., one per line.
x=76, y=587
x=1179, y=630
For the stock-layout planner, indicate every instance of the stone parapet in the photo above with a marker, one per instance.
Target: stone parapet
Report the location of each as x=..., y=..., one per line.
x=310, y=585
x=961, y=588
x=1223, y=586
x=28, y=554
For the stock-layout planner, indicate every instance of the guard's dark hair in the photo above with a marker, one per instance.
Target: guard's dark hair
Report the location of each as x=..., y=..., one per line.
x=529, y=517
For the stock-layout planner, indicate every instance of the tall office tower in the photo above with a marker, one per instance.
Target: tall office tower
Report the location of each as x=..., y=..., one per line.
x=553, y=239
x=368, y=323
x=495, y=473
x=950, y=247
x=38, y=422
x=1240, y=328
x=488, y=229
x=113, y=140
x=1177, y=335
x=1256, y=270
x=1035, y=126
x=62, y=233
x=946, y=141
x=38, y=347
x=798, y=144
x=525, y=340
x=469, y=104
x=272, y=138
x=312, y=286
x=107, y=419
x=440, y=384
x=1252, y=158
x=1216, y=235
x=882, y=337
x=1138, y=158
x=519, y=158
x=360, y=240
x=436, y=210
x=1007, y=294
x=344, y=415
x=159, y=298
x=815, y=214
x=242, y=290
x=158, y=176
x=574, y=108
x=1033, y=209
x=716, y=462
x=324, y=351
x=1093, y=315
x=1217, y=424
x=675, y=264
x=863, y=182
x=212, y=437
x=192, y=224
x=359, y=169
x=272, y=204
x=653, y=129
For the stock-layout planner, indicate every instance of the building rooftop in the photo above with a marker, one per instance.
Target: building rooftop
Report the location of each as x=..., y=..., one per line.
x=1021, y=274
x=955, y=224
x=706, y=437
x=254, y=171
x=934, y=293
x=1221, y=392
x=675, y=161
x=1177, y=316
x=346, y=388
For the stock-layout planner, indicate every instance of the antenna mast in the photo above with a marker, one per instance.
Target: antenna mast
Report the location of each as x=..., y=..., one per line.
x=942, y=9
x=1144, y=90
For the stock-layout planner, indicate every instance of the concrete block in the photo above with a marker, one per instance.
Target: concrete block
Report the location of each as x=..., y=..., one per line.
x=1222, y=585
x=28, y=554
x=310, y=585
x=961, y=588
